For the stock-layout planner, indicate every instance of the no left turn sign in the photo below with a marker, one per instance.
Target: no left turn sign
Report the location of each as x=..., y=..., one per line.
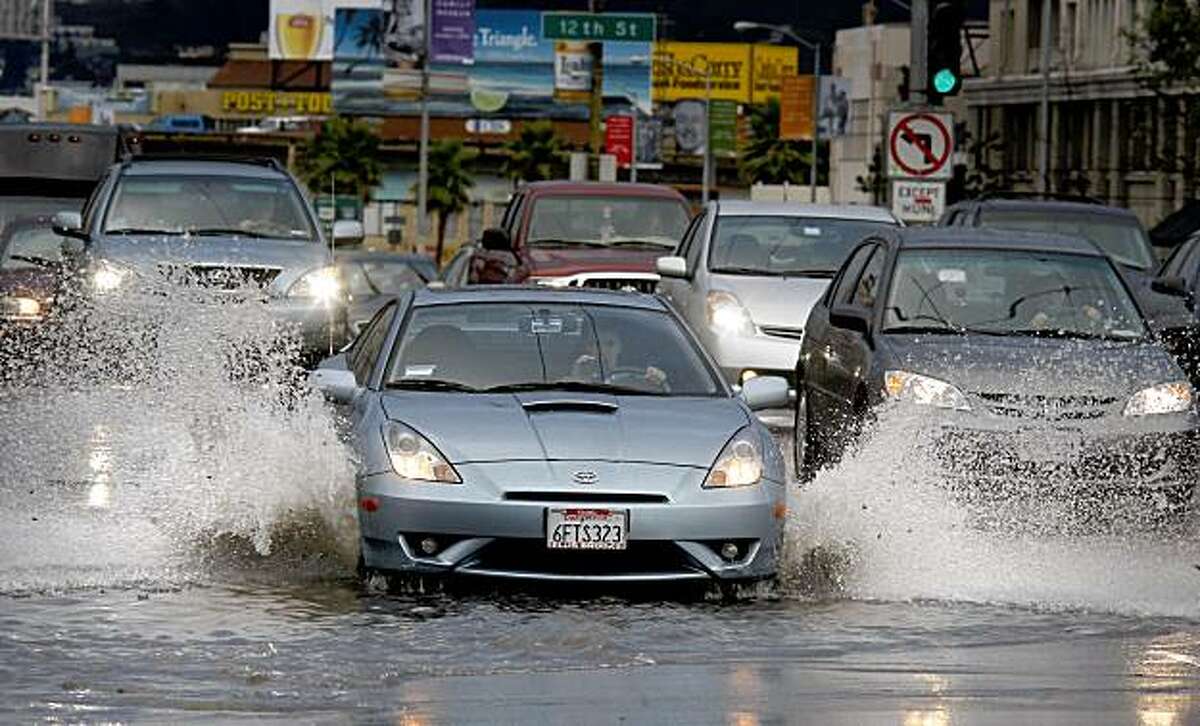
x=920, y=145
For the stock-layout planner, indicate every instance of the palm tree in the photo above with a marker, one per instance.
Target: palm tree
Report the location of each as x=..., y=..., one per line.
x=768, y=159
x=536, y=153
x=448, y=187
x=347, y=151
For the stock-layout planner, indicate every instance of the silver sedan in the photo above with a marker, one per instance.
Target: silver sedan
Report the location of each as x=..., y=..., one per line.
x=555, y=435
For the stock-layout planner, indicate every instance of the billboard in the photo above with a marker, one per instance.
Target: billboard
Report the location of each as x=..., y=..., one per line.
x=303, y=30
x=515, y=73
x=834, y=120
x=452, y=33
x=771, y=64
x=741, y=72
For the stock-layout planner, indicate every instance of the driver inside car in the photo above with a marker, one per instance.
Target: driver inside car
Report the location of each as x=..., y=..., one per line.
x=587, y=368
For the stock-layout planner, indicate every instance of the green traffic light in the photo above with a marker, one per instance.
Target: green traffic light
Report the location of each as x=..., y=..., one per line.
x=944, y=81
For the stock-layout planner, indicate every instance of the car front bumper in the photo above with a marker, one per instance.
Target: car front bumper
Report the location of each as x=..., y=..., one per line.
x=489, y=527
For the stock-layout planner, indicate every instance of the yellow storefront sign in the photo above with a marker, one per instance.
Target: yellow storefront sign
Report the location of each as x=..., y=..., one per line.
x=772, y=63
x=680, y=71
x=268, y=103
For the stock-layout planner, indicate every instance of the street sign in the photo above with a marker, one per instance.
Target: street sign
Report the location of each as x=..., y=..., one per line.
x=796, y=108
x=920, y=145
x=918, y=201
x=618, y=139
x=722, y=127
x=638, y=27
x=488, y=126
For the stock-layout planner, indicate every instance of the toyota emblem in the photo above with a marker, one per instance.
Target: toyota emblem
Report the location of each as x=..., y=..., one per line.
x=585, y=477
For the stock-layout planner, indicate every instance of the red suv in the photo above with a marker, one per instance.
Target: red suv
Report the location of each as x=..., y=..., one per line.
x=581, y=234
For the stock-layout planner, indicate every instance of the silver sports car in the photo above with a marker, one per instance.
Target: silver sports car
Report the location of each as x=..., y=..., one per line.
x=555, y=435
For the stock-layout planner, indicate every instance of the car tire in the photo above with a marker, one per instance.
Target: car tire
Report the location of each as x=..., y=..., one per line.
x=804, y=451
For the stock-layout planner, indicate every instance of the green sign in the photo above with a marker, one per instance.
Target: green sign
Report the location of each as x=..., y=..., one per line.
x=588, y=26
x=722, y=126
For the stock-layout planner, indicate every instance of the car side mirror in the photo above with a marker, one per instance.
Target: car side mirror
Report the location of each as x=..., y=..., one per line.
x=348, y=232
x=1174, y=286
x=69, y=225
x=496, y=239
x=338, y=385
x=671, y=267
x=765, y=392
x=851, y=317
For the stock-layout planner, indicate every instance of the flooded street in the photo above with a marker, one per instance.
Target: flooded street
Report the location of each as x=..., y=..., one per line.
x=183, y=548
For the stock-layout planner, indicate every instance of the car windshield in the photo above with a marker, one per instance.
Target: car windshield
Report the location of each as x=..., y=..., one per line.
x=1010, y=292
x=497, y=347
x=30, y=244
x=778, y=245
x=1122, y=238
x=208, y=205
x=608, y=221
x=380, y=277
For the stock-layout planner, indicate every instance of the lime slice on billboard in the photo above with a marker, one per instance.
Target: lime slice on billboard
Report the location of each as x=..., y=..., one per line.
x=488, y=100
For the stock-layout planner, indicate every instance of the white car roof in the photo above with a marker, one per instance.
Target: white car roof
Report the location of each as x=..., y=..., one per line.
x=862, y=212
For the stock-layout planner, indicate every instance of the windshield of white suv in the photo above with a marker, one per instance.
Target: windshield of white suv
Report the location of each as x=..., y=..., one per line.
x=1121, y=238
x=607, y=221
x=778, y=245
x=1010, y=292
x=208, y=205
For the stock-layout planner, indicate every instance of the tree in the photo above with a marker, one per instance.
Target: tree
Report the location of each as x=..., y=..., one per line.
x=1166, y=57
x=537, y=153
x=449, y=185
x=347, y=151
x=768, y=159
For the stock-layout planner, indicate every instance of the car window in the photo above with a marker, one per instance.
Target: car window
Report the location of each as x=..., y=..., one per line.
x=867, y=288
x=390, y=277
x=1120, y=237
x=777, y=245
x=696, y=246
x=841, y=290
x=510, y=219
x=686, y=242
x=1181, y=260
x=609, y=220
x=355, y=279
x=1010, y=292
x=370, y=341
x=482, y=346
x=176, y=204
x=455, y=273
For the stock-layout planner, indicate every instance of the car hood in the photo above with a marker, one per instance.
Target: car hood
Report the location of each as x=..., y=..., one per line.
x=563, y=261
x=774, y=301
x=1033, y=366
x=143, y=253
x=552, y=426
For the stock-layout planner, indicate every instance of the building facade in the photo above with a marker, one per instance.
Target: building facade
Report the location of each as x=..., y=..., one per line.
x=1109, y=137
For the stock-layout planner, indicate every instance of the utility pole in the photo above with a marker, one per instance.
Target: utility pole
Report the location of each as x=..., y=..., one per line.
x=707, y=133
x=1044, y=110
x=45, y=75
x=812, y=169
x=423, y=152
x=596, y=103
x=918, y=79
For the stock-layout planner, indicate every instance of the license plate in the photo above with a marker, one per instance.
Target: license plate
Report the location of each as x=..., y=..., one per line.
x=587, y=529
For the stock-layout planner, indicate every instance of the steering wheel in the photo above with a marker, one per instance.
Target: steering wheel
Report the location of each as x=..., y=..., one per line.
x=635, y=377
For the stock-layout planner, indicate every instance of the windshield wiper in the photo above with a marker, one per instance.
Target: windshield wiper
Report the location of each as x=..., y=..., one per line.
x=742, y=271
x=580, y=386
x=141, y=230
x=232, y=232
x=927, y=330
x=808, y=273
x=640, y=243
x=431, y=384
x=553, y=242
x=39, y=261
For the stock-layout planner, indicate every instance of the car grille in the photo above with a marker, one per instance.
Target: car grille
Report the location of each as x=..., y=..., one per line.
x=531, y=555
x=220, y=277
x=1047, y=408
x=587, y=497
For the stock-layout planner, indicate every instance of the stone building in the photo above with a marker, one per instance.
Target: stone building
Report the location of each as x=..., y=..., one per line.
x=1108, y=135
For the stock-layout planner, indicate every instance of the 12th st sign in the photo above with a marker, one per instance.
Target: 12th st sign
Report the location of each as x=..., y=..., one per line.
x=593, y=26
x=920, y=145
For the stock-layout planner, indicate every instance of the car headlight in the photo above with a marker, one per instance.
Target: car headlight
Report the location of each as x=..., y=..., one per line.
x=413, y=457
x=923, y=390
x=107, y=277
x=739, y=464
x=323, y=285
x=20, y=308
x=726, y=314
x=1174, y=397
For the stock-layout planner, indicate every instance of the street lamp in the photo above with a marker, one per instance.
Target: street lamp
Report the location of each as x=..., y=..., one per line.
x=786, y=31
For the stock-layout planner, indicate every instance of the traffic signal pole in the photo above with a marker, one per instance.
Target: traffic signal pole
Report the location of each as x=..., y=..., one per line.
x=918, y=79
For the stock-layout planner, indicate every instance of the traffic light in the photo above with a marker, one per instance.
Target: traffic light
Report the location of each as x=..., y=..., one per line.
x=944, y=43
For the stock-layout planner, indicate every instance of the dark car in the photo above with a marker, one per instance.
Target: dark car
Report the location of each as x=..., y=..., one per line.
x=1029, y=354
x=372, y=278
x=1180, y=276
x=582, y=234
